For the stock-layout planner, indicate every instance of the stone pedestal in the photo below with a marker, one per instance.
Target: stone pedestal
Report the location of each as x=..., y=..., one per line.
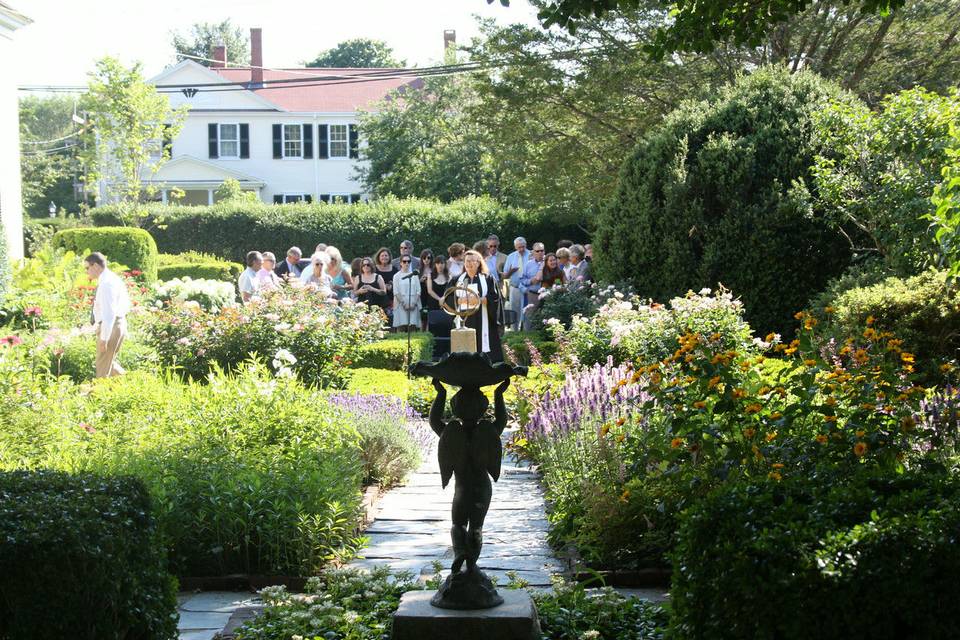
x=417, y=619
x=463, y=339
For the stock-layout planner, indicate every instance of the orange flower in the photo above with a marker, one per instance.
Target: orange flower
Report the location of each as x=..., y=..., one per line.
x=775, y=476
x=714, y=381
x=676, y=443
x=738, y=393
x=604, y=430
x=777, y=465
x=798, y=315
x=829, y=418
x=753, y=408
x=810, y=362
x=770, y=436
x=860, y=449
x=861, y=433
x=749, y=432
x=821, y=438
x=828, y=309
x=776, y=415
x=870, y=320
x=620, y=421
x=699, y=404
x=810, y=323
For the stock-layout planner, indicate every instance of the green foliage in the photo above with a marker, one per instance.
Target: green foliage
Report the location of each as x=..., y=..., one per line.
x=357, y=53
x=219, y=270
x=38, y=232
x=230, y=230
x=128, y=120
x=417, y=392
x=230, y=190
x=715, y=194
x=391, y=352
x=48, y=161
x=876, y=170
x=211, y=295
x=81, y=558
x=945, y=220
x=288, y=328
x=520, y=343
x=132, y=247
x=250, y=474
x=5, y=276
x=570, y=611
x=202, y=38
x=75, y=357
x=859, y=558
x=923, y=311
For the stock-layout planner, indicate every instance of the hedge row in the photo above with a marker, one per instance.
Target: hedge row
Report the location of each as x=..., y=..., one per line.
x=391, y=352
x=220, y=270
x=231, y=229
x=81, y=558
x=133, y=248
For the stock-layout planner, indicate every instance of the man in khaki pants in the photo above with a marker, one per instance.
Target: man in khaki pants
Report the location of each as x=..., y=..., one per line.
x=110, y=308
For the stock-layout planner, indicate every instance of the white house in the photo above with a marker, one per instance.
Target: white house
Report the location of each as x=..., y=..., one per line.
x=287, y=134
x=11, y=207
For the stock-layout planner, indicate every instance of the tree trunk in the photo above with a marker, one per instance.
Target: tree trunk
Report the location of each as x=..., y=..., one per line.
x=867, y=60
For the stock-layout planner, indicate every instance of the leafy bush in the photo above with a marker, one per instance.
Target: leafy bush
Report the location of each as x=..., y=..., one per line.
x=391, y=352
x=417, y=392
x=4, y=266
x=197, y=266
x=251, y=473
x=75, y=356
x=211, y=295
x=231, y=229
x=528, y=347
x=860, y=558
x=391, y=445
x=717, y=194
x=132, y=247
x=923, y=311
x=570, y=611
x=81, y=558
x=38, y=232
x=290, y=327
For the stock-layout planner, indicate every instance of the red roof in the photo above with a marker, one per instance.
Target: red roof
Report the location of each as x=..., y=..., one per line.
x=339, y=90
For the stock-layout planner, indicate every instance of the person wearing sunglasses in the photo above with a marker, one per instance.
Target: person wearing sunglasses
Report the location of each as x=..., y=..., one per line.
x=406, y=297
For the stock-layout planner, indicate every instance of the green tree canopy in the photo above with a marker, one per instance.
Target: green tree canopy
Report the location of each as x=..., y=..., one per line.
x=49, y=140
x=359, y=52
x=204, y=36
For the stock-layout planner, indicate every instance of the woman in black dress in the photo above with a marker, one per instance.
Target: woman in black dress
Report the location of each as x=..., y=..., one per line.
x=426, y=269
x=369, y=286
x=382, y=267
x=484, y=321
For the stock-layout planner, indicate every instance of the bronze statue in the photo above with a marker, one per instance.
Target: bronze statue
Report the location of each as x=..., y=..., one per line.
x=470, y=452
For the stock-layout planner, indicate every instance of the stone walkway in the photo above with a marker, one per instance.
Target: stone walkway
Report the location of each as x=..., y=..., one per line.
x=412, y=526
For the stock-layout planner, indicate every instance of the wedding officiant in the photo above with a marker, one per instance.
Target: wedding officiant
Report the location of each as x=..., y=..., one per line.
x=476, y=276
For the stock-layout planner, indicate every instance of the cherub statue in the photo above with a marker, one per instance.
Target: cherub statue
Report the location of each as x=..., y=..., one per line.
x=470, y=451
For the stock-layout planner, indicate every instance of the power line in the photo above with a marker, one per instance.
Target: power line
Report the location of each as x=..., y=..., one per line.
x=75, y=133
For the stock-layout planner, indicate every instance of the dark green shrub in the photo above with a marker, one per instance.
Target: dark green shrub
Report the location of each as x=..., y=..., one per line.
x=4, y=265
x=923, y=311
x=226, y=271
x=81, y=558
x=519, y=342
x=38, y=232
x=716, y=195
x=870, y=558
x=131, y=247
x=231, y=229
x=391, y=352
x=76, y=358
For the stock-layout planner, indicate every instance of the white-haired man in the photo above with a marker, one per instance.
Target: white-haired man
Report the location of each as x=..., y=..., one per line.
x=513, y=271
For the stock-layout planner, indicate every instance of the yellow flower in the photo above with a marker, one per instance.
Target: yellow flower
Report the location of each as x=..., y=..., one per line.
x=907, y=357
x=777, y=465
x=776, y=415
x=829, y=418
x=749, y=432
x=870, y=320
x=688, y=358
x=810, y=362
x=831, y=401
x=828, y=309
x=775, y=476
x=716, y=336
x=861, y=433
x=894, y=345
x=625, y=495
x=810, y=323
x=604, y=430
x=870, y=333
x=699, y=404
x=714, y=381
x=770, y=436
x=770, y=337
x=621, y=438
x=946, y=367
x=860, y=449
x=676, y=443
x=753, y=408
x=798, y=315
x=821, y=438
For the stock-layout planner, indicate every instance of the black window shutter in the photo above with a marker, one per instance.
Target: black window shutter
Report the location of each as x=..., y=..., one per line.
x=167, y=140
x=308, y=141
x=354, y=142
x=324, y=197
x=213, y=134
x=354, y=198
x=277, y=141
x=323, y=144
x=278, y=199
x=244, y=140
x=307, y=198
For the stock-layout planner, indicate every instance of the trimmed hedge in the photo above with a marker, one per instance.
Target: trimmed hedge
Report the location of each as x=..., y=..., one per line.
x=223, y=271
x=80, y=558
x=868, y=558
x=231, y=229
x=391, y=352
x=131, y=247
x=417, y=392
x=716, y=194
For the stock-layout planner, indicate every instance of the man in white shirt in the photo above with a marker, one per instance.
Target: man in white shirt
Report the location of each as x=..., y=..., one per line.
x=247, y=282
x=110, y=307
x=513, y=271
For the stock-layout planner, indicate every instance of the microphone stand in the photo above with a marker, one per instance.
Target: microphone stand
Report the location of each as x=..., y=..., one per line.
x=409, y=278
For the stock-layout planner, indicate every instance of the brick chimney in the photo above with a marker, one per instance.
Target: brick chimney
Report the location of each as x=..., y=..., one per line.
x=256, y=57
x=449, y=39
x=219, y=56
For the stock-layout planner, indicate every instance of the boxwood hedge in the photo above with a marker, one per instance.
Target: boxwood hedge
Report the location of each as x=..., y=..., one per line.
x=231, y=229
x=133, y=248
x=80, y=558
x=391, y=352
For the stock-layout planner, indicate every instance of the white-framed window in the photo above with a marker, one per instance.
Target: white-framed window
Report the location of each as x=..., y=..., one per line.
x=229, y=141
x=339, y=141
x=296, y=197
x=292, y=141
x=341, y=198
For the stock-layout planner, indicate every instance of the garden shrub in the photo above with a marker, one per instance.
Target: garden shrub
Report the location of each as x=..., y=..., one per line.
x=198, y=266
x=717, y=194
x=528, y=347
x=38, y=232
x=211, y=295
x=865, y=557
x=81, y=558
x=391, y=445
x=251, y=473
x=290, y=328
x=4, y=266
x=391, y=352
x=134, y=248
x=923, y=311
x=417, y=392
x=231, y=229
x=75, y=357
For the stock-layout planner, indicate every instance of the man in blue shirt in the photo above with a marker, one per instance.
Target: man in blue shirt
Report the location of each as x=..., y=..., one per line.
x=530, y=281
x=513, y=271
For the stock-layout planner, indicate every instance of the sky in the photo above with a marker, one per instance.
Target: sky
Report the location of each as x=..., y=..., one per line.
x=66, y=38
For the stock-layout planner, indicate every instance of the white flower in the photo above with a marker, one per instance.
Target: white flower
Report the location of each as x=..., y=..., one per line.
x=281, y=327
x=284, y=355
x=705, y=291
